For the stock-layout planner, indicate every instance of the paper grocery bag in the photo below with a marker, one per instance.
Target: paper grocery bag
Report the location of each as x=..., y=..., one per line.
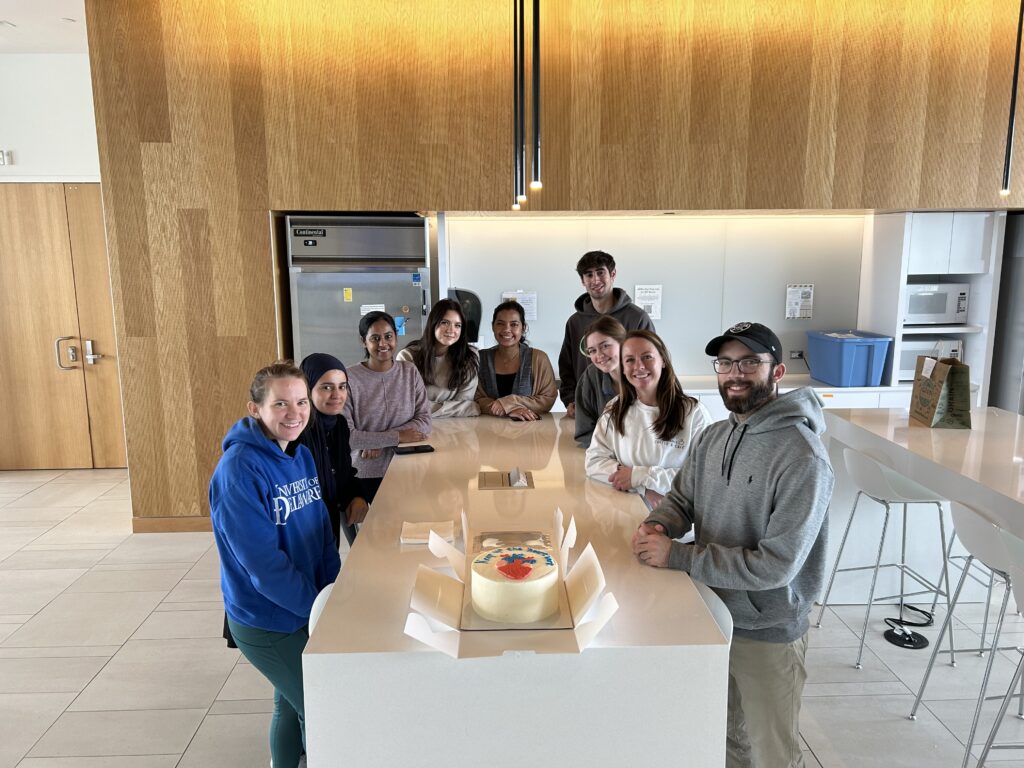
x=942, y=393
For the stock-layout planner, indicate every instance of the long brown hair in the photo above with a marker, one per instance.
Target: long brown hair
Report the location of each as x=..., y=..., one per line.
x=463, y=363
x=674, y=405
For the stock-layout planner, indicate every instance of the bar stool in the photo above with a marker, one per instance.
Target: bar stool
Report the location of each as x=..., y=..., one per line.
x=886, y=487
x=318, y=606
x=1015, y=564
x=984, y=541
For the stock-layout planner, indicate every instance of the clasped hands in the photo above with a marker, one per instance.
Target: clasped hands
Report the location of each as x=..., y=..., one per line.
x=651, y=544
x=519, y=412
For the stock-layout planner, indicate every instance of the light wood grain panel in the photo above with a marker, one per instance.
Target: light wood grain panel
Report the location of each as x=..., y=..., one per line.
x=96, y=322
x=688, y=104
x=212, y=114
x=46, y=419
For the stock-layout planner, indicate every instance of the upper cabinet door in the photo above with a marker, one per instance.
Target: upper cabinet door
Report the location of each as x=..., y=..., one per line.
x=971, y=242
x=930, y=235
x=880, y=104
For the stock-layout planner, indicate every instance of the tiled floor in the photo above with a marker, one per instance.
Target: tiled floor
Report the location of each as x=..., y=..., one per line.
x=111, y=655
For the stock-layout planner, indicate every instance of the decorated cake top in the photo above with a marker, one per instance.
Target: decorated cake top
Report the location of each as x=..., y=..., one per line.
x=514, y=563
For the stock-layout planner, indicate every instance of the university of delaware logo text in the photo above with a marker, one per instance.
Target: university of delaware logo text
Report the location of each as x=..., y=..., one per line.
x=293, y=496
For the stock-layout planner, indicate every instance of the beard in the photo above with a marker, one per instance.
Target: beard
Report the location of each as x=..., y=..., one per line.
x=760, y=392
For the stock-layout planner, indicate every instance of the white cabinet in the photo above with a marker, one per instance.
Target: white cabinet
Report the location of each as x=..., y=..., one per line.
x=957, y=243
x=930, y=238
x=899, y=246
x=971, y=242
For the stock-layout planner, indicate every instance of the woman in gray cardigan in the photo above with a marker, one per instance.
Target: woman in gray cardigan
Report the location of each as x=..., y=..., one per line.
x=600, y=380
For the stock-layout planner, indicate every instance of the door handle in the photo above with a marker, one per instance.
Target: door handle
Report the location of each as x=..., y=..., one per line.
x=90, y=356
x=72, y=353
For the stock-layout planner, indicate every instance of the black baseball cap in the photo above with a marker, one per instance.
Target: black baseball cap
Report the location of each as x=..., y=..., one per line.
x=759, y=338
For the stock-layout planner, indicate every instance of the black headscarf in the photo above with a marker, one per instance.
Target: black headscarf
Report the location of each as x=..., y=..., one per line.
x=327, y=438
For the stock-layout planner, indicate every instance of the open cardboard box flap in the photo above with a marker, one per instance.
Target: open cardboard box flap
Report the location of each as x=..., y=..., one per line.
x=437, y=599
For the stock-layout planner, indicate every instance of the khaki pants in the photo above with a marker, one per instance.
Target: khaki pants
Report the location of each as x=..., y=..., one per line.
x=766, y=681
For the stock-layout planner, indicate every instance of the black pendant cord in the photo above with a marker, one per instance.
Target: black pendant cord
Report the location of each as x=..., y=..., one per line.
x=536, y=182
x=1005, y=189
x=521, y=125
x=516, y=102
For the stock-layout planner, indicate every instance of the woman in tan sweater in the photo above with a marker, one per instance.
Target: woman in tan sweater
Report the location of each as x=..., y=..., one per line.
x=516, y=380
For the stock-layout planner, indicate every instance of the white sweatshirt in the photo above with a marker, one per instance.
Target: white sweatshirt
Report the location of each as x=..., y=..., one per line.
x=655, y=462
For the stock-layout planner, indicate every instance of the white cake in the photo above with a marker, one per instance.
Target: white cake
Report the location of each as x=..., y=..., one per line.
x=515, y=585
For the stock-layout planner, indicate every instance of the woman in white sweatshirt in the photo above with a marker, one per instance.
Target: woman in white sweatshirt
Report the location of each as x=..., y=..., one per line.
x=641, y=439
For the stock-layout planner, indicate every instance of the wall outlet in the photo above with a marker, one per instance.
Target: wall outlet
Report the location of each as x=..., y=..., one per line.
x=796, y=354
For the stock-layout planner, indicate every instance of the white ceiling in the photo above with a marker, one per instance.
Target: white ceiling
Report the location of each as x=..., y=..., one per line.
x=40, y=26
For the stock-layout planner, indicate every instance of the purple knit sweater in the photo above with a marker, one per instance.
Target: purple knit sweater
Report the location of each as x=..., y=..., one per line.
x=378, y=406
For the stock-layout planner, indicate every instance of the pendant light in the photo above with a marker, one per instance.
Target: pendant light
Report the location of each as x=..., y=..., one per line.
x=536, y=182
x=517, y=105
x=1004, y=190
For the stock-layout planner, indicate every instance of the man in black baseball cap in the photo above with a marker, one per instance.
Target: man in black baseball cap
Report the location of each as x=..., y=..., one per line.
x=755, y=489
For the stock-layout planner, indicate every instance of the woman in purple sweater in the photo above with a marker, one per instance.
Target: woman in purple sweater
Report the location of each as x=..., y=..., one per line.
x=387, y=402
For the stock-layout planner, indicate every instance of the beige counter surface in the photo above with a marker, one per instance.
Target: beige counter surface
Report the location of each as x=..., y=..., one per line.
x=981, y=467
x=375, y=696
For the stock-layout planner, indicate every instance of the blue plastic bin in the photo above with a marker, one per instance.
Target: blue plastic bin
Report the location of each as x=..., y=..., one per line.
x=847, y=358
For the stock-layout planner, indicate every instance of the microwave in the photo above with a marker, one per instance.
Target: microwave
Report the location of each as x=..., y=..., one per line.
x=936, y=304
x=910, y=350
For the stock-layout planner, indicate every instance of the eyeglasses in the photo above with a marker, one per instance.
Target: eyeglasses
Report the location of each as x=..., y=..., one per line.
x=603, y=348
x=746, y=365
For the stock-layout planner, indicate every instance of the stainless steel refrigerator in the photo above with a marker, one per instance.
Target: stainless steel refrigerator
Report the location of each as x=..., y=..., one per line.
x=1006, y=390
x=342, y=267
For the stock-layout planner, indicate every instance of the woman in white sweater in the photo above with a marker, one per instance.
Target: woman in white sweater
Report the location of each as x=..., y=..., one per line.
x=641, y=439
x=448, y=365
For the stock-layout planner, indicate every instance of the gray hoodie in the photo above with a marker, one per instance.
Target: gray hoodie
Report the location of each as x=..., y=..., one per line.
x=572, y=362
x=757, y=496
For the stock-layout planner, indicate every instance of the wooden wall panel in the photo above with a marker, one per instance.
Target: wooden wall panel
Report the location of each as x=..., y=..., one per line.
x=688, y=104
x=212, y=113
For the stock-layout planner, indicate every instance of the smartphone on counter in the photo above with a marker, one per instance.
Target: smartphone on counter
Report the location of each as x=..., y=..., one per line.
x=405, y=449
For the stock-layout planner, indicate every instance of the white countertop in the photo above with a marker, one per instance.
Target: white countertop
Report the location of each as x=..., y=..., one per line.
x=368, y=607
x=981, y=467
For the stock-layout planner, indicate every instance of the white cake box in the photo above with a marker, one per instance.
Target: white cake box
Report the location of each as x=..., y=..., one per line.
x=439, y=601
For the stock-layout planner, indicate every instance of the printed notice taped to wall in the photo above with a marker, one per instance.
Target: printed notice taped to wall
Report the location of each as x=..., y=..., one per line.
x=799, y=301
x=648, y=298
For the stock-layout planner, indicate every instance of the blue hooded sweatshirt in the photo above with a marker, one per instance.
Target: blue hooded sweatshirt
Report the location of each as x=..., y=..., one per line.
x=272, y=530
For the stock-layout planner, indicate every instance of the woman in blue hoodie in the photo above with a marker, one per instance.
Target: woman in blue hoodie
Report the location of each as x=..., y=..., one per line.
x=276, y=547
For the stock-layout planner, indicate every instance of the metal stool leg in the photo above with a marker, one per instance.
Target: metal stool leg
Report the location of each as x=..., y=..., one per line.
x=874, y=580
x=1017, y=678
x=988, y=671
x=839, y=556
x=938, y=641
x=944, y=577
x=988, y=608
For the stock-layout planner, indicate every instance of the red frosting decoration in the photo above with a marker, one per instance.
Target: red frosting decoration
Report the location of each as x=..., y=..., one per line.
x=515, y=569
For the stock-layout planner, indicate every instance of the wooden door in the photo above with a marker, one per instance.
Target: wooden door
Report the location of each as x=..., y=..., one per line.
x=46, y=418
x=96, y=324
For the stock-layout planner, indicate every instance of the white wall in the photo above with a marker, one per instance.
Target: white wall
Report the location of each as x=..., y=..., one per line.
x=46, y=118
x=716, y=271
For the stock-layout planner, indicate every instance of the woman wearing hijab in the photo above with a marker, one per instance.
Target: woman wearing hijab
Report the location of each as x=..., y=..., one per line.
x=327, y=438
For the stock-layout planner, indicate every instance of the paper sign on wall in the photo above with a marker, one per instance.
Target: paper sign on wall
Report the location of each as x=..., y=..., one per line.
x=527, y=298
x=799, y=301
x=648, y=298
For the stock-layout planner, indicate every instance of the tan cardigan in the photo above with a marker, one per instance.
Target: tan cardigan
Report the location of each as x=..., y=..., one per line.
x=544, y=389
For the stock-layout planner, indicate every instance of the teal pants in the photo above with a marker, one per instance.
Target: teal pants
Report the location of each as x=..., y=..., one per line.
x=278, y=656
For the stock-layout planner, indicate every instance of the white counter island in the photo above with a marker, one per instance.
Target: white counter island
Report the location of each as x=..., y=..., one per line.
x=651, y=689
x=980, y=467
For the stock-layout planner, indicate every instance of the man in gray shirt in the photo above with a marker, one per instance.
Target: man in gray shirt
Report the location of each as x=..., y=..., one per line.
x=755, y=489
x=597, y=274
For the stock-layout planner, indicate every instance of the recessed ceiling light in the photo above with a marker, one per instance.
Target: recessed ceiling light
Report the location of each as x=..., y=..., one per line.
x=5, y=23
